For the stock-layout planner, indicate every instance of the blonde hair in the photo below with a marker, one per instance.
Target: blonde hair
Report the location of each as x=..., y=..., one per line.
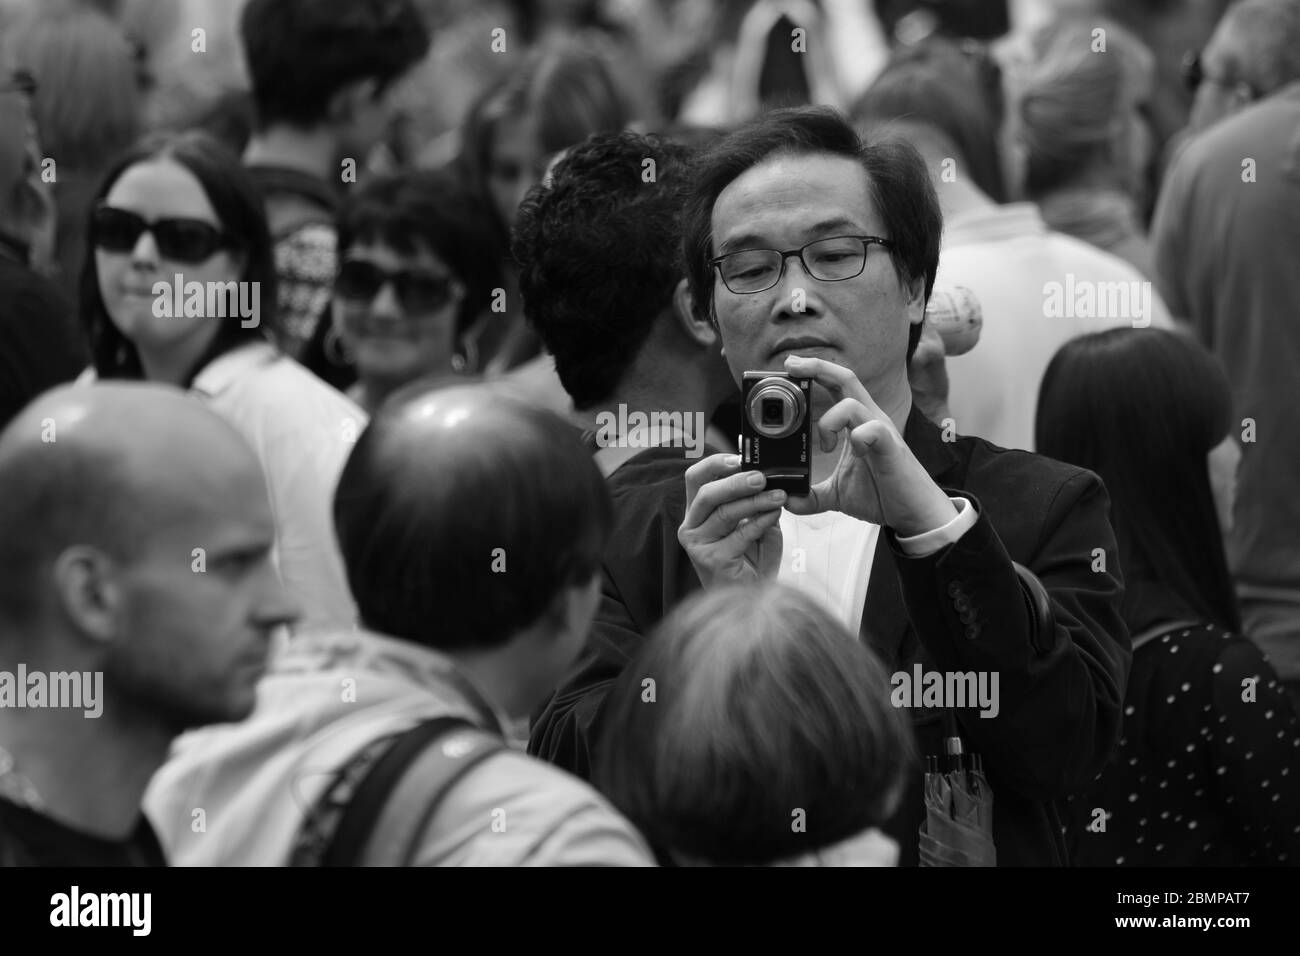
x=88, y=100
x=1072, y=98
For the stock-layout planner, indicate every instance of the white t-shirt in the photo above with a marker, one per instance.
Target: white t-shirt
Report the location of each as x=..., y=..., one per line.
x=829, y=556
x=1007, y=256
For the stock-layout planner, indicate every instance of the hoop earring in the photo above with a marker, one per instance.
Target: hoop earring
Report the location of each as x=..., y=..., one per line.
x=465, y=360
x=336, y=351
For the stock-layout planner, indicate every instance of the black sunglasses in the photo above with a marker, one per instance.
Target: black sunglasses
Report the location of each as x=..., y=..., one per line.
x=181, y=240
x=417, y=291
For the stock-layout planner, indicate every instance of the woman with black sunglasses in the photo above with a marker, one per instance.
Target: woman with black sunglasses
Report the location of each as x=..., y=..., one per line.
x=418, y=273
x=178, y=215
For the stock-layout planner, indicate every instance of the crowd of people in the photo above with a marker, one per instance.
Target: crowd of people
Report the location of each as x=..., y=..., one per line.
x=370, y=491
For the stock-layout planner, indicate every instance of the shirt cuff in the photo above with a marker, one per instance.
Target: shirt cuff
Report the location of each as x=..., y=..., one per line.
x=928, y=542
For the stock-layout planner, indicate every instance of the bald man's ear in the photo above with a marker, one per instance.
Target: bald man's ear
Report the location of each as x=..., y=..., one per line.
x=87, y=591
x=701, y=331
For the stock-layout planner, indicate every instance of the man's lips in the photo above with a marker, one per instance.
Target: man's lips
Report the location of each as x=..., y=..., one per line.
x=800, y=345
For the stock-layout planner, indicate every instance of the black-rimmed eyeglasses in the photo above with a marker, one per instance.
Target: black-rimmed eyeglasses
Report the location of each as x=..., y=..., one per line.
x=827, y=260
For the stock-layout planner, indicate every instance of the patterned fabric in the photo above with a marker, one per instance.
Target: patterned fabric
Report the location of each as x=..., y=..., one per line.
x=1207, y=772
x=305, y=262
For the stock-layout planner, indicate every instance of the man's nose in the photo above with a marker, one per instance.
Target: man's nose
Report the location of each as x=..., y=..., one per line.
x=276, y=606
x=795, y=289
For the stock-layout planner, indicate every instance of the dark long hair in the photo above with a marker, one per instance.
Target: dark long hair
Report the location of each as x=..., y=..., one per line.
x=239, y=209
x=1142, y=408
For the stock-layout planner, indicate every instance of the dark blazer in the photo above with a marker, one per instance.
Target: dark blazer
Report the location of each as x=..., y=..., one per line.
x=963, y=608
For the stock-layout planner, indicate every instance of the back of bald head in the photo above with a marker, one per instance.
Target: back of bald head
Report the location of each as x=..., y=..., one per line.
x=106, y=466
x=463, y=513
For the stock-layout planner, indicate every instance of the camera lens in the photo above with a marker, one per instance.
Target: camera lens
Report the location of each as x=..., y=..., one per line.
x=772, y=411
x=775, y=407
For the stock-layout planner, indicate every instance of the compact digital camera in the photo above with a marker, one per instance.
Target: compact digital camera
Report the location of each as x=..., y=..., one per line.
x=776, y=430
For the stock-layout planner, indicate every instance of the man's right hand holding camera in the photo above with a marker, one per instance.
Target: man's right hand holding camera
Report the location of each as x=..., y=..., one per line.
x=732, y=529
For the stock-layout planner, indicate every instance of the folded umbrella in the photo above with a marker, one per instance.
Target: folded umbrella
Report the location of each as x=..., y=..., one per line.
x=958, y=827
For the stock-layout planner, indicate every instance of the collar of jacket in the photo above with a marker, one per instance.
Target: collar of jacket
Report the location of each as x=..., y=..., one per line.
x=368, y=651
x=227, y=368
x=925, y=440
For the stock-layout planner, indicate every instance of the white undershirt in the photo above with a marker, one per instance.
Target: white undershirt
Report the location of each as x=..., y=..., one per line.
x=829, y=556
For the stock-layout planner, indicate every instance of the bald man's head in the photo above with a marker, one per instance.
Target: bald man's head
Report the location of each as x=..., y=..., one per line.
x=136, y=531
x=106, y=465
x=462, y=514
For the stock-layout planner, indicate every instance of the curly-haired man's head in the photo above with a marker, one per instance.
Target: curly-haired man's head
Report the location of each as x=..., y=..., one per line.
x=599, y=254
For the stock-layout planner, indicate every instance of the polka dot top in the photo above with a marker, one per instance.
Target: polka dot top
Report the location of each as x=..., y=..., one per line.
x=1207, y=772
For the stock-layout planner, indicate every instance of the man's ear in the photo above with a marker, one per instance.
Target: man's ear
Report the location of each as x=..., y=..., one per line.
x=88, y=590
x=914, y=291
x=573, y=607
x=701, y=331
x=353, y=100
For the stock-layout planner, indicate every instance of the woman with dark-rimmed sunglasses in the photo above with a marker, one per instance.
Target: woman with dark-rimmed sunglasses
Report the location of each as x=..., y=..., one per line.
x=417, y=273
x=178, y=213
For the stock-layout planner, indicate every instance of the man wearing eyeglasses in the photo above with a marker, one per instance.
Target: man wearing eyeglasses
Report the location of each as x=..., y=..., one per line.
x=1253, y=52
x=815, y=256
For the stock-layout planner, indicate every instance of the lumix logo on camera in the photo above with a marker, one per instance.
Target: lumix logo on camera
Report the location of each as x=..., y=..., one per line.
x=776, y=430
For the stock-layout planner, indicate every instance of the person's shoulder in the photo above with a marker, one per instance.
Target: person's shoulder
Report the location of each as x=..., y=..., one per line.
x=513, y=809
x=983, y=455
x=1088, y=261
x=1022, y=482
x=651, y=487
x=1272, y=119
x=299, y=385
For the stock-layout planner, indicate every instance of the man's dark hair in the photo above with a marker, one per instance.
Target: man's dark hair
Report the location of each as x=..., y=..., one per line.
x=599, y=256
x=458, y=543
x=431, y=209
x=897, y=182
x=301, y=52
x=40, y=344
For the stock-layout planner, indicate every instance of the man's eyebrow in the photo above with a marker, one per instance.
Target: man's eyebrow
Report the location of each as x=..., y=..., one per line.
x=749, y=240
x=835, y=222
x=746, y=240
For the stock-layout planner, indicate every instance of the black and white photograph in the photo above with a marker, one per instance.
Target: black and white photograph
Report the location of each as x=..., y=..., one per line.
x=651, y=433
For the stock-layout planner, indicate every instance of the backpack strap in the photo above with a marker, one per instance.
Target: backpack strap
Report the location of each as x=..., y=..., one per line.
x=382, y=800
x=406, y=814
